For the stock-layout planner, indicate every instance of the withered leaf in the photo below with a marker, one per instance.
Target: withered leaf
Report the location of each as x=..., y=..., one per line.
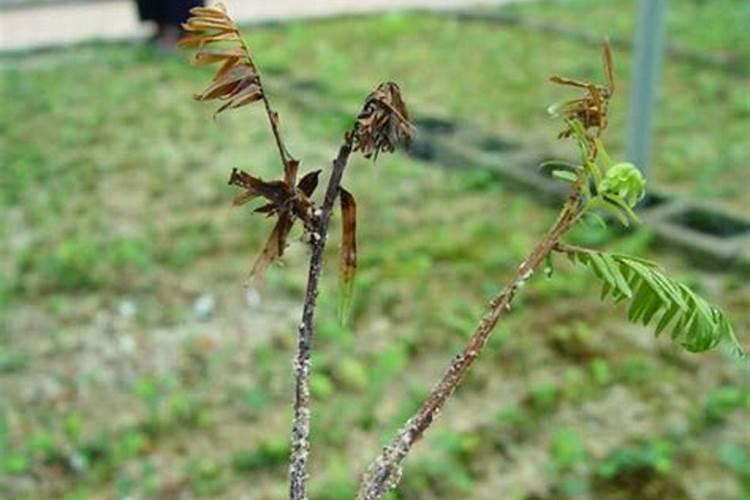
x=291, y=168
x=243, y=198
x=274, y=247
x=592, y=109
x=268, y=209
x=193, y=41
x=348, y=258
x=240, y=178
x=274, y=191
x=383, y=122
x=227, y=66
x=215, y=11
x=309, y=182
x=228, y=83
x=197, y=24
x=211, y=56
x=241, y=96
x=236, y=80
x=608, y=67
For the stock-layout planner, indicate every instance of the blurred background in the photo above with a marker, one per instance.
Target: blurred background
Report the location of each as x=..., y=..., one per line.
x=133, y=364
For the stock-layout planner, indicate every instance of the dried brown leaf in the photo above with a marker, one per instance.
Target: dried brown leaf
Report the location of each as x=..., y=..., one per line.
x=236, y=80
x=291, y=169
x=268, y=209
x=348, y=235
x=211, y=56
x=608, y=67
x=243, y=198
x=274, y=247
x=348, y=259
x=383, y=122
x=216, y=11
x=241, y=96
x=225, y=68
x=197, y=24
x=274, y=191
x=592, y=109
x=198, y=41
x=228, y=83
x=309, y=182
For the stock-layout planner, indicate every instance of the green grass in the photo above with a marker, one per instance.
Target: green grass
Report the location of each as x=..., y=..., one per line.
x=115, y=220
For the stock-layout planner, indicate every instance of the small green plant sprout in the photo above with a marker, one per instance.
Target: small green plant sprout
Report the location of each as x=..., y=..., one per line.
x=614, y=188
x=597, y=183
x=381, y=126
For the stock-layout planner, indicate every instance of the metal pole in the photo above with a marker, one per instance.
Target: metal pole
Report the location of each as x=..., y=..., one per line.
x=649, y=49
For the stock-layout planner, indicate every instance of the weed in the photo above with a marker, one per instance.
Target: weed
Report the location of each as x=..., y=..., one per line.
x=723, y=401
x=567, y=450
x=270, y=453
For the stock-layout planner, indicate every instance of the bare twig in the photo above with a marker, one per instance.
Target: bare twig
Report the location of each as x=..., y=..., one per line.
x=273, y=116
x=384, y=473
x=301, y=424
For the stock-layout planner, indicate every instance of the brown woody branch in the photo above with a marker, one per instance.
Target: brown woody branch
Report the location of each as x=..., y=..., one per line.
x=382, y=123
x=380, y=126
x=385, y=471
x=301, y=424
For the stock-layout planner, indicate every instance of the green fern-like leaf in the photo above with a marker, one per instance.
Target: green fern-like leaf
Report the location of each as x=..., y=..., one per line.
x=696, y=324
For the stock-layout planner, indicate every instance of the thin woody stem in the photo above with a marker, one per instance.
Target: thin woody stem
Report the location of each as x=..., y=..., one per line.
x=273, y=120
x=385, y=472
x=302, y=366
x=273, y=117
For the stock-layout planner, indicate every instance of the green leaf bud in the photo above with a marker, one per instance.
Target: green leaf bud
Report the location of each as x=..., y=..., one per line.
x=624, y=181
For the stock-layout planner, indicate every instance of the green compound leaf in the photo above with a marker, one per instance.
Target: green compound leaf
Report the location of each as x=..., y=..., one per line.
x=697, y=325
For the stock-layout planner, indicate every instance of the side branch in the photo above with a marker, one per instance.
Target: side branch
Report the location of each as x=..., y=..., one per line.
x=301, y=424
x=273, y=117
x=384, y=473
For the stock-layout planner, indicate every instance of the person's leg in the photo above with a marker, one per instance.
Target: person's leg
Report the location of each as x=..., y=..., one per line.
x=176, y=12
x=147, y=9
x=172, y=13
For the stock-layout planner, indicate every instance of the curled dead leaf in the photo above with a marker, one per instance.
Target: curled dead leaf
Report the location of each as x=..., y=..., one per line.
x=287, y=203
x=309, y=182
x=383, y=122
x=211, y=56
x=592, y=109
x=274, y=247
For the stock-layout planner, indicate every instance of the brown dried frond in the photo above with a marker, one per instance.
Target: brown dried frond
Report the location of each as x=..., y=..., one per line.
x=383, y=122
x=592, y=109
x=284, y=200
x=236, y=81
